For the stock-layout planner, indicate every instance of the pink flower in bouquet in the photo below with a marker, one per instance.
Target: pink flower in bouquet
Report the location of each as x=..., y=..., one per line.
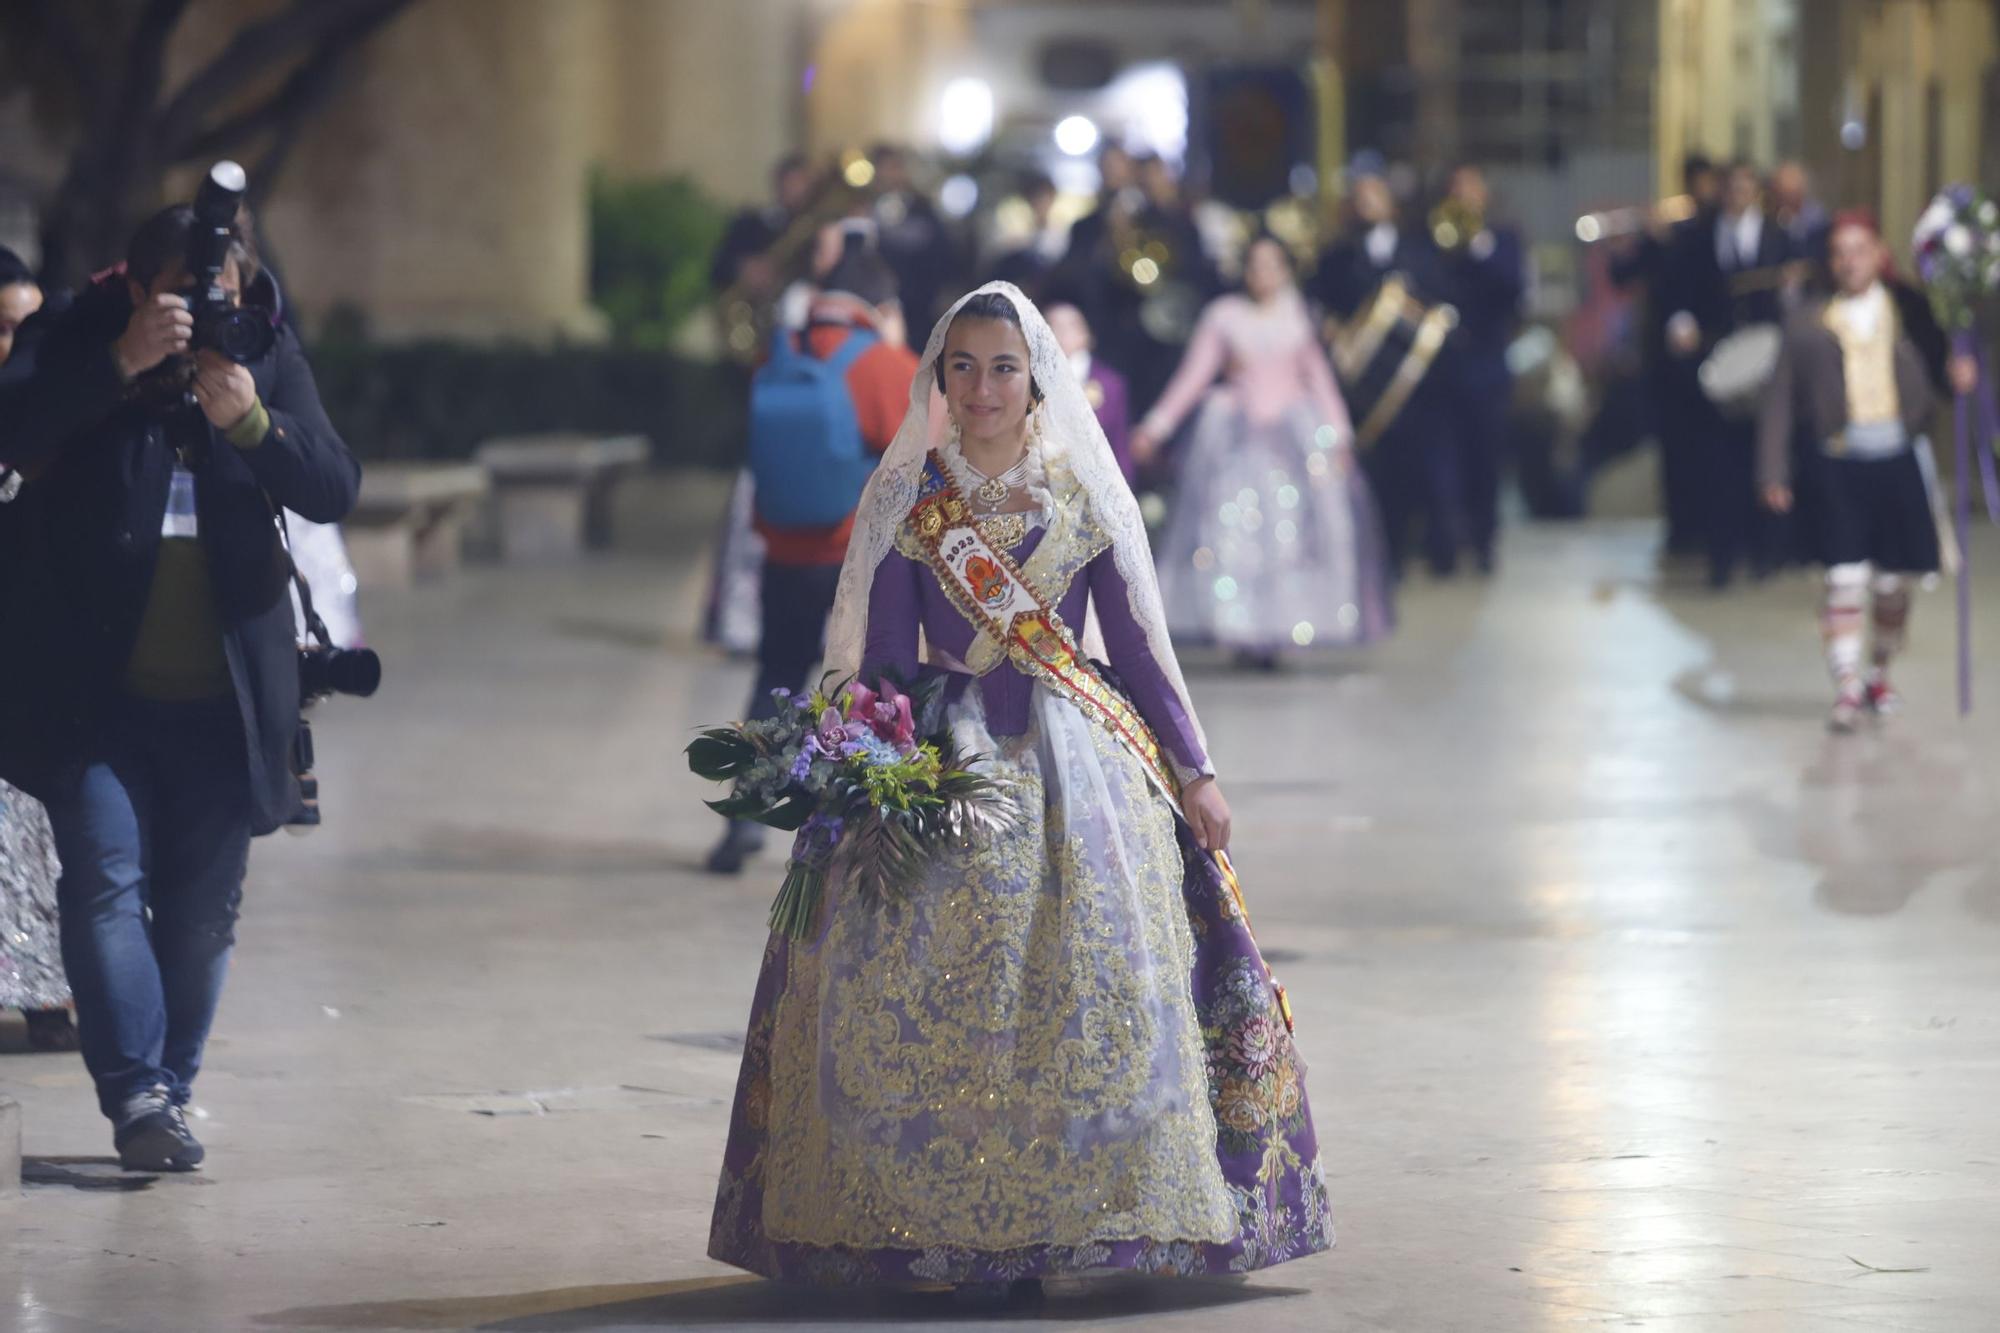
x=887, y=714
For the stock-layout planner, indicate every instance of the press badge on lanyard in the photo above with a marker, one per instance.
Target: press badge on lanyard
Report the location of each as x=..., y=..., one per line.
x=180, y=520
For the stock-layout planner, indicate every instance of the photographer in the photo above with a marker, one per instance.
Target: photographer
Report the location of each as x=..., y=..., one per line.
x=157, y=682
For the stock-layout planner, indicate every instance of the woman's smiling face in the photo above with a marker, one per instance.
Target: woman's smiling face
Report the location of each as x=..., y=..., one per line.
x=986, y=378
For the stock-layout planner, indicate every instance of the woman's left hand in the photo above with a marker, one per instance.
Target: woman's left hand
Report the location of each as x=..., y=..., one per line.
x=224, y=389
x=1207, y=813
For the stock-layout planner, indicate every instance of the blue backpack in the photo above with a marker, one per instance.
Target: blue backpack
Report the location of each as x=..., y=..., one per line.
x=806, y=451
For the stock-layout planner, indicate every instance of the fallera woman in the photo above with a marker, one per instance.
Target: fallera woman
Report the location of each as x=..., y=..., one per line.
x=1062, y=1053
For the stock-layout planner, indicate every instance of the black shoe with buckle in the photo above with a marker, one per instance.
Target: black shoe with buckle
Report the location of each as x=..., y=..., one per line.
x=153, y=1135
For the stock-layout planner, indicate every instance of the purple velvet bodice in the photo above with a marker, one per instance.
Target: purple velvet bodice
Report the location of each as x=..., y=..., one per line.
x=906, y=596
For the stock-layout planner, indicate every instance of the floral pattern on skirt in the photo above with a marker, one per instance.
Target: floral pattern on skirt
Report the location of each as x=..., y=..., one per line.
x=1272, y=542
x=1256, y=1197
x=31, y=970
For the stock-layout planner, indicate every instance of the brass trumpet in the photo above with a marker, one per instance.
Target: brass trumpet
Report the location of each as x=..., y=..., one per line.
x=1615, y=222
x=747, y=320
x=1147, y=263
x=1454, y=223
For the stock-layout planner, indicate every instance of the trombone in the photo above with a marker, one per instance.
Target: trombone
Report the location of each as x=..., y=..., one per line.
x=1454, y=224
x=745, y=320
x=1615, y=222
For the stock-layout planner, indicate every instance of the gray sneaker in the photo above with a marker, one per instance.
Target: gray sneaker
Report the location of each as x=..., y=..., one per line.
x=152, y=1135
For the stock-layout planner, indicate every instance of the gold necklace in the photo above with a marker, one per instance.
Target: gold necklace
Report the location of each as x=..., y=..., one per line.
x=1005, y=531
x=995, y=490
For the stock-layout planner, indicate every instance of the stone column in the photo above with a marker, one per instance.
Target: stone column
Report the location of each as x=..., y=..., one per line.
x=879, y=69
x=710, y=89
x=1966, y=52
x=1714, y=79
x=1434, y=60
x=1674, y=93
x=1329, y=68
x=443, y=191
x=1907, y=67
x=1828, y=77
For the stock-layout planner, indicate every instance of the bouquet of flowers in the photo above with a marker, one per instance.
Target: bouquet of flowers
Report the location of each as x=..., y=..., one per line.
x=869, y=780
x=1957, y=245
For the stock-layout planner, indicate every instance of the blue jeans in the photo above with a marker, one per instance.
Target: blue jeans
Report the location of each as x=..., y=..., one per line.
x=154, y=840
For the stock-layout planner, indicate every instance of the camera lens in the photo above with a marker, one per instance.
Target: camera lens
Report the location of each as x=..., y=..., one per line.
x=244, y=336
x=324, y=671
x=356, y=671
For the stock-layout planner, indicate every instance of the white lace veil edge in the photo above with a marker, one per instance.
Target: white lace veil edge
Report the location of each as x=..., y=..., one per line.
x=1071, y=437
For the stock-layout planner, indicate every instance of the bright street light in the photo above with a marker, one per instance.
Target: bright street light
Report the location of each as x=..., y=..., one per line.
x=965, y=116
x=1076, y=135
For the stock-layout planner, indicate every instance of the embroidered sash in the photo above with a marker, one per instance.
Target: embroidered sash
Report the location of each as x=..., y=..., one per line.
x=1072, y=540
x=991, y=591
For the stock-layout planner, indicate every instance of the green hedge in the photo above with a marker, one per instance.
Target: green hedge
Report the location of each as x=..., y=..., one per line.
x=441, y=400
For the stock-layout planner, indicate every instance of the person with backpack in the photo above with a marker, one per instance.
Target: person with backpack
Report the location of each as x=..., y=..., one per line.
x=822, y=410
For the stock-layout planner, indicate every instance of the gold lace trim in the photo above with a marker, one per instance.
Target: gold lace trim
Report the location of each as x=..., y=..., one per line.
x=973, y=1025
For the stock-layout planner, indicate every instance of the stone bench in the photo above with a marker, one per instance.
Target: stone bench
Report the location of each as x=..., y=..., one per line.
x=552, y=493
x=409, y=524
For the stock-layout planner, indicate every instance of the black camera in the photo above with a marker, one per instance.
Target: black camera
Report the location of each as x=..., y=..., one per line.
x=241, y=333
x=325, y=671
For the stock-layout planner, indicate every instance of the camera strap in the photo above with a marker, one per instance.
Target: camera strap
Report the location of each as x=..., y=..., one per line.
x=314, y=625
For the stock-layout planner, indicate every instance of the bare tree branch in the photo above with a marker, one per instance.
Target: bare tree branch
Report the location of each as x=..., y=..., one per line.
x=254, y=50
x=300, y=92
x=139, y=88
x=129, y=139
x=58, y=20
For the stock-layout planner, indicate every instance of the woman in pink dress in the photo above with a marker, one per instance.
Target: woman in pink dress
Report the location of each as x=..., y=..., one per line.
x=1273, y=541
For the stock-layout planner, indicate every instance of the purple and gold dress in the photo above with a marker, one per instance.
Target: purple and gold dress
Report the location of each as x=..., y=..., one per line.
x=1063, y=1053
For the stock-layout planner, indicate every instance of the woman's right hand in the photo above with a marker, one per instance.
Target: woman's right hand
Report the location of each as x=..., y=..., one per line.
x=1778, y=499
x=157, y=330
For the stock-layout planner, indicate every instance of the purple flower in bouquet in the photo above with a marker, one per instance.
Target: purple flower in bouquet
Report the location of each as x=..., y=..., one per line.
x=822, y=832
x=803, y=763
x=831, y=733
x=1957, y=246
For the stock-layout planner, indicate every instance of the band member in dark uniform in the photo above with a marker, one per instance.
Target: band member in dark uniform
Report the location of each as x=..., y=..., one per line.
x=1411, y=461
x=1030, y=265
x=1118, y=193
x=913, y=237
x=1486, y=268
x=1798, y=213
x=1654, y=260
x=741, y=255
x=1731, y=277
x=1140, y=272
